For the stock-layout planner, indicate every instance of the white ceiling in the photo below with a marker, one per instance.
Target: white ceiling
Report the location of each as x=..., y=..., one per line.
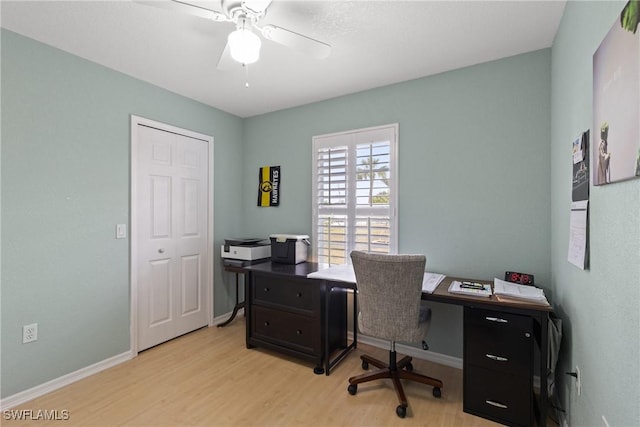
x=374, y=43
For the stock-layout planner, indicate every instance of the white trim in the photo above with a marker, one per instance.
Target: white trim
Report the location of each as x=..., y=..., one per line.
x=209, y=294
x=55, y=384
x=351, y=139
x=442, y=359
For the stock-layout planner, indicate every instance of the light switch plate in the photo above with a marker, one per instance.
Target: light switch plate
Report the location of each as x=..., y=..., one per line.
x=121, y=231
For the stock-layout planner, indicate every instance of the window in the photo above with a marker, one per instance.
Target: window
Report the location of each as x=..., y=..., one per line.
x=354, y=193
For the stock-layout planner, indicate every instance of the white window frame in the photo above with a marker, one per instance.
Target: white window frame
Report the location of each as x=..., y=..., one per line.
x=351, y=139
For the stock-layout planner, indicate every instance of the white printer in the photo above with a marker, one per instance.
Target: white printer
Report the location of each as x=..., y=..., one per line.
x=245, y=251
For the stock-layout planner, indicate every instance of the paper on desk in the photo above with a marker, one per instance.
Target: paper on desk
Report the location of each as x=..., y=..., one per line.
x=339, y=273
x=521, y=292
x=456, y=288
x=431, y=281
x=345, y=273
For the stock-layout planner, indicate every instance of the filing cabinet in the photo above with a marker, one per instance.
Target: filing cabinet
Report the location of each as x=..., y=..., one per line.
x=287, y=314
x=498, y=366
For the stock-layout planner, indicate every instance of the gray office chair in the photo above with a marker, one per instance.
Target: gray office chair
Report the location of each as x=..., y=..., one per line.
x=389, y=290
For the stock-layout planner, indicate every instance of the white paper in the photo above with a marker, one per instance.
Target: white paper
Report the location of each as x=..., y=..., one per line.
x=345, y=273
x=338, y=273
x=515, y=290
x=578, y=233
x=431, y=281
x=456, y=288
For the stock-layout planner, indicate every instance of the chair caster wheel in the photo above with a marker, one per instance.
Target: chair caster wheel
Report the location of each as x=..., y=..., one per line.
x=437, y=392
x=401, y=411
x=409, y=367
x=352, y=389
x=365, y=365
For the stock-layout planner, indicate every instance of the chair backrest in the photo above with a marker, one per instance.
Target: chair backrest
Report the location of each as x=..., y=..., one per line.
x=389, y=291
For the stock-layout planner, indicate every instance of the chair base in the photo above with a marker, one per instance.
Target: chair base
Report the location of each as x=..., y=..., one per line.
x=395, y=371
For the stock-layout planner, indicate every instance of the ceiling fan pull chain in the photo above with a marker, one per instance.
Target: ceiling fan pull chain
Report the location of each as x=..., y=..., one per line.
x=246, y=70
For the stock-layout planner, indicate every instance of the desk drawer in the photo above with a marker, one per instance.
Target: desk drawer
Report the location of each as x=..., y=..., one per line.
x=290, y=330
x=498, y=396
x=289, y=293
x=499, y=341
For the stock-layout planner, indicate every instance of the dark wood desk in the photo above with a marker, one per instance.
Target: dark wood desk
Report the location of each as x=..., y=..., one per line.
x=302, y=317
x=473, y=305
x=292, y=314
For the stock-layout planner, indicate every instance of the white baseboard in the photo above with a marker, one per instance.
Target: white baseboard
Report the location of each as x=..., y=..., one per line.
x=442, y=359
x=49, y=386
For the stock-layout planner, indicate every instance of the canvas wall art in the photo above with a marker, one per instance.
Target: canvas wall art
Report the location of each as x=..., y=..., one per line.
x=616, y=101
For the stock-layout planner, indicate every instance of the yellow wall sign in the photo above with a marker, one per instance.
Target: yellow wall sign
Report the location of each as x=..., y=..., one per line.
x=269, y=186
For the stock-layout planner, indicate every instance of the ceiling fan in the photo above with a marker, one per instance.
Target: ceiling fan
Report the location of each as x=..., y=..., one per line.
x=243, y=45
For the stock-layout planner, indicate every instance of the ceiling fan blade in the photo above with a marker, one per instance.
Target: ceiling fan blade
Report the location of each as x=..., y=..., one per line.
x=295, y=41
x=188, y=8
x=256, y=6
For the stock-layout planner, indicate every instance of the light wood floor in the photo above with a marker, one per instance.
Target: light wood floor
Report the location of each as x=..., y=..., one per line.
x=209, y=378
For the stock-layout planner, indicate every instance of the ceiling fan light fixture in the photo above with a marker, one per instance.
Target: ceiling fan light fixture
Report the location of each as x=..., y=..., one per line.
x=244, y=46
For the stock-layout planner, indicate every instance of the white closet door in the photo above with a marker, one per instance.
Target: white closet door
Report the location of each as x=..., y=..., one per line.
x=171, y=192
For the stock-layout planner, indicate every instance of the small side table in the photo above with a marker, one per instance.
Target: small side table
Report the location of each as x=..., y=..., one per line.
x=239, y=305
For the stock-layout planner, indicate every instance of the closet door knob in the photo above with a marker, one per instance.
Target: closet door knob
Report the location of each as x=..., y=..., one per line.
x=161, y=250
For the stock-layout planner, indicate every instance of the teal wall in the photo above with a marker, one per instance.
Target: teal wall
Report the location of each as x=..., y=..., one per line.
x=472, y=143
x=600, y=306
x=473, y=170
x=65, y=185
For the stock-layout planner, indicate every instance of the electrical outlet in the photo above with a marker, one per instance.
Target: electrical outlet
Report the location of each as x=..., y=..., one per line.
x=29, y=333
x=578, y=384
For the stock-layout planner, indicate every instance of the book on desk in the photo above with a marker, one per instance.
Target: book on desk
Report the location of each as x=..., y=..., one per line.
x=502, y=291
x=515, y=293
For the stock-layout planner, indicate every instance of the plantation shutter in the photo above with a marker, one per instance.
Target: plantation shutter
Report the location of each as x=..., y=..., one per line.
x=354, y=194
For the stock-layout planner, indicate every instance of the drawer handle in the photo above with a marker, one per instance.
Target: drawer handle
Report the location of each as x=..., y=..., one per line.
x=496, y=404
x=496, y=358
x=299, y=332
x=267, y=324
x=266, y=289
x=299, y=294
x=496, y=319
